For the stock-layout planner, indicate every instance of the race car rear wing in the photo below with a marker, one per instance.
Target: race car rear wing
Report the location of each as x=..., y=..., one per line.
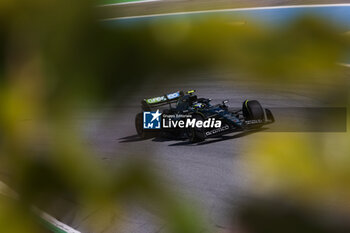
x=155, y=102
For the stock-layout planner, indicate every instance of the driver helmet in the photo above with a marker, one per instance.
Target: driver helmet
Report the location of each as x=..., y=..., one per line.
x=198, y=105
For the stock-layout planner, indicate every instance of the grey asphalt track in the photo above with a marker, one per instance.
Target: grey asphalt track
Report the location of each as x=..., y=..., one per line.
x=168, y=6
x=211, y=175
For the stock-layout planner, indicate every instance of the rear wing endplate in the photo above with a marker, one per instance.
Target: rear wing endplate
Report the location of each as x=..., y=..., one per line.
x=148, y=104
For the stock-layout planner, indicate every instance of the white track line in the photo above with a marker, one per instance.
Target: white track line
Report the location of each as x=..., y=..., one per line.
x=54, y=222
x=6, y=191
x=230, y=10
x=344, y=64
x=129, y=3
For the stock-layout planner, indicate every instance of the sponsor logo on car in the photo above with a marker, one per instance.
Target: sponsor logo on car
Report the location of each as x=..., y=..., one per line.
x=163, y=98
x=218, y=130
x=173, y=95
x=253, y=122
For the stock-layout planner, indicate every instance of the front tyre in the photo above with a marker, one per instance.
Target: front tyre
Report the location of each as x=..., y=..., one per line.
x=196, y=134
x=252, y=110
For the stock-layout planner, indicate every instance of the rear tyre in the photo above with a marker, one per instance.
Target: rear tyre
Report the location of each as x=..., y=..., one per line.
x=196, y=134
x=144, y=134
x=252, y=110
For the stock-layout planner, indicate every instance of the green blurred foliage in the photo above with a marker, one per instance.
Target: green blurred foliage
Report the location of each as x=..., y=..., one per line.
x=309, y=45
x=302, y=181
x=55, y=55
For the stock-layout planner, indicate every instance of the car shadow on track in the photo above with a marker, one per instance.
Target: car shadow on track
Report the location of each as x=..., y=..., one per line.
x=132, y=138
x=219, y=139
x=185, y=142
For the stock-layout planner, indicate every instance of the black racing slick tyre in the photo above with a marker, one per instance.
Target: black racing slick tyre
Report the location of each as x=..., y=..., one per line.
x=141, y=132
x=252, y=110
x=196, y=134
